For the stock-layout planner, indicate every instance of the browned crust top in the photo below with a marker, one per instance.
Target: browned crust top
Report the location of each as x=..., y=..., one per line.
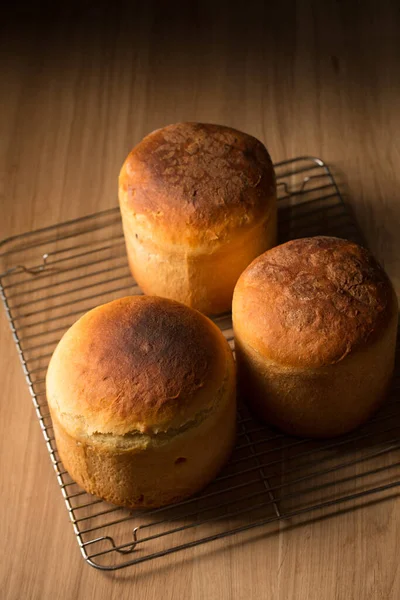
x=137, y=364
x=199, y=175
x=311, y=301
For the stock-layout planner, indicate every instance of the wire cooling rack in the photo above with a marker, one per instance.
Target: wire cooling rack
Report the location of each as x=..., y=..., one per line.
x=54, y=275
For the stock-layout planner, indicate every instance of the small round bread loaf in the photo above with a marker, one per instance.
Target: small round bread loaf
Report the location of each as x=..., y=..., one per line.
x=142, y=396
x=315, y=324
x=198, y=204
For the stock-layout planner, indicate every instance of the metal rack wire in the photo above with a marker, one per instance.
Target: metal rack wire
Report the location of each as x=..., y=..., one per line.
x=52, y=276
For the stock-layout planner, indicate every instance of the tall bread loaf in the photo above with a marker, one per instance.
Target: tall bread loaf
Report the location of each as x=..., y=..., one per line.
x=198, y=204
x=315, y=324
x=142, y=397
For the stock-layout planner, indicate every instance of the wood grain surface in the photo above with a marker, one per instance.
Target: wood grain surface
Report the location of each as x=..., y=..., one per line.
x=78, y=89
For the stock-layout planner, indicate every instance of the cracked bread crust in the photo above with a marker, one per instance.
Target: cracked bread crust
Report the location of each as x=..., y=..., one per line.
x=198, y=182
x=313, y=301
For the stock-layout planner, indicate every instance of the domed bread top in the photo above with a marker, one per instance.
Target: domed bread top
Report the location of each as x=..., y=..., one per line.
x=138, y=364
x=198, y=182
x=310, y=302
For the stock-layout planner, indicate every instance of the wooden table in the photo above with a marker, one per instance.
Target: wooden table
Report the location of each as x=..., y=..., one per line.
x=79, y=89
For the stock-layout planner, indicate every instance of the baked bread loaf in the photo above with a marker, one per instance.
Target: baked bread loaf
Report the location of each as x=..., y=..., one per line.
x=142, y=396
x=198, y=204
x=315, y=324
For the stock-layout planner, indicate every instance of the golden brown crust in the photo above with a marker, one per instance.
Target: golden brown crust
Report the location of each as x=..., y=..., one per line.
x=311, y=302
x=137, y=364
x=322, y=402
x=196, y=179
x=152, y=474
